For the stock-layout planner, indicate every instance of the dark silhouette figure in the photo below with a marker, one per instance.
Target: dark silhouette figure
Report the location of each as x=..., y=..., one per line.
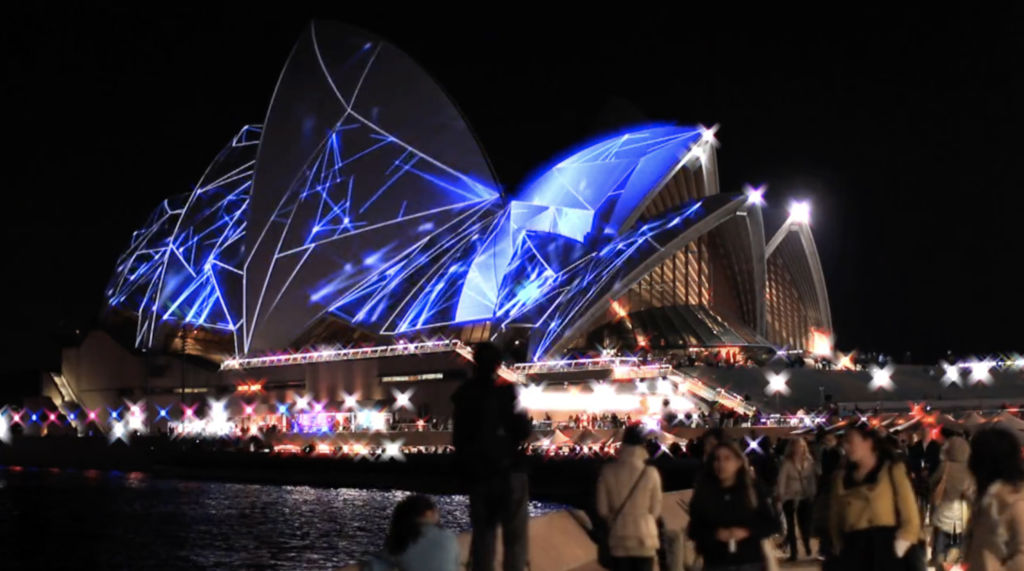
x=489, y=433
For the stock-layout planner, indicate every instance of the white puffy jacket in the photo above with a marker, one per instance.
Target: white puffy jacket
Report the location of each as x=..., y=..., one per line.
x=635, y=532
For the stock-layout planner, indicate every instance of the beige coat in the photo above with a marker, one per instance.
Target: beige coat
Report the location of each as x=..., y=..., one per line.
x=635, y=532
x=890, y=501
x=797, y=482
x=950, y=513
x=995, y=533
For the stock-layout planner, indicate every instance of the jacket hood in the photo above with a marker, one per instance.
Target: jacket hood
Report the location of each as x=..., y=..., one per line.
x=957, y=450
x=633, y=454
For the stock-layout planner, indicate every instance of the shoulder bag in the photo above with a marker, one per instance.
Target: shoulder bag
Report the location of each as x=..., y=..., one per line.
x=602, y=530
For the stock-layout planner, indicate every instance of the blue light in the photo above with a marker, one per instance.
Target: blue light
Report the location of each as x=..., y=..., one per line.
x=420, y=246
x=608, y=178
x=190, y=248
x=162, y=413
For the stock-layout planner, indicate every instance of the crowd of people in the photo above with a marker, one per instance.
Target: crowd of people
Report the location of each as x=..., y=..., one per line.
x=861, y=499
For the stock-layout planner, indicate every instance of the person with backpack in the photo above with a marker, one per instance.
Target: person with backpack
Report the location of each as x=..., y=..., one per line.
x=489, y=433
x=629, y=501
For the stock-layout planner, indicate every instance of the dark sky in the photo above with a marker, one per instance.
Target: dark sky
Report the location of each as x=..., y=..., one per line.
x=902, y=128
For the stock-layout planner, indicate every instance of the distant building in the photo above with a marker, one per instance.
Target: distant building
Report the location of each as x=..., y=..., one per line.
x=364, y=211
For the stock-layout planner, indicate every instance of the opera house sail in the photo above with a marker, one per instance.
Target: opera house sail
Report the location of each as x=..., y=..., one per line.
x=363, y=207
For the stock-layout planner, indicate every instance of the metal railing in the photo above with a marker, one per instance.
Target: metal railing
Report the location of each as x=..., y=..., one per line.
x=331, y=355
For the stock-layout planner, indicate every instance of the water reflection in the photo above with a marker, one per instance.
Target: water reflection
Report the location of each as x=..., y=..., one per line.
x=93, y=519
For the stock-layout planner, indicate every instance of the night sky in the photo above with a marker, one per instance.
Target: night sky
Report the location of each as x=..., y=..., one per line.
x=902, y=128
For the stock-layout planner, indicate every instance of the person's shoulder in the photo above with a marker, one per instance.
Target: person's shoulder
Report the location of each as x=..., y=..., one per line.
x=437, y=535
x=1004, y=494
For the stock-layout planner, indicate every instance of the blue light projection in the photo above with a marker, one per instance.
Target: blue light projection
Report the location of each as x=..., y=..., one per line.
x=371, y=237
x=371, y=202
x=185, y=264
x=589, y=283
x=396, y=259
x=588, y=197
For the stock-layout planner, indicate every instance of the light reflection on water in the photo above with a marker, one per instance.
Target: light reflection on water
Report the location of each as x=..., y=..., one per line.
x=114, y=520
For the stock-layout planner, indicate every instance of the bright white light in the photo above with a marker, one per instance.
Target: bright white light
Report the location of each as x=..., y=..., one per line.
x=753, y=444
x=952, y=376
x=5, y=427
x=652, y=423
x=1016, y=361
x=351, y=401
x=301, y=402
x=393, y=451
x=980, y=372
x=881, y=379
x=118, y=432
x=217, y=423
x=800, y=212
x=755, y=195
x=776, y=383
x=136, y=416
x=664, y=387
x=602, y=398
x=403, y=399
x=641, y=388
x=708, y=134
x=369, y=418
x=676, y=403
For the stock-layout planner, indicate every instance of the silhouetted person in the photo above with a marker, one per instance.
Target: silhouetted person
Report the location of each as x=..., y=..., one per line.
x=488, y=434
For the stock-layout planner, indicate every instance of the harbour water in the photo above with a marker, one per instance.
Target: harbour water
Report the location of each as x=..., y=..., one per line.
x=69, y=519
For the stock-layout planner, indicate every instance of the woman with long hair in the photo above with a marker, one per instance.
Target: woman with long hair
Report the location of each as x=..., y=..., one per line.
x=952, y=489
x=995, y=532
x=416, y=542
x=797, y=487
x=729, y=513
x=874, y=519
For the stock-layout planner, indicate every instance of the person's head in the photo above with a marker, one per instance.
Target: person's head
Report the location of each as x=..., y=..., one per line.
x=797, y=451
x=712, y=437
x=995, y=455
x=864, y=446
x=830, y=440
x=728, y=463
x=486, y=360
x=409, y=515
x=634, y=435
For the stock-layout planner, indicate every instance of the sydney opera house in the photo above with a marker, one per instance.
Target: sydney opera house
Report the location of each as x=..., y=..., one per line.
x=364, y=212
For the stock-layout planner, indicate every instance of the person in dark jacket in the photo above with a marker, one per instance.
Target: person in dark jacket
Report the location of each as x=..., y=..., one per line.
x=729, y=513
x=488, y=434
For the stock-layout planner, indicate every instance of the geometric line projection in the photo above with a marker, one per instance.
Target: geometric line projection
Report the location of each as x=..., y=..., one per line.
x=365, y=198
x=185, y=264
